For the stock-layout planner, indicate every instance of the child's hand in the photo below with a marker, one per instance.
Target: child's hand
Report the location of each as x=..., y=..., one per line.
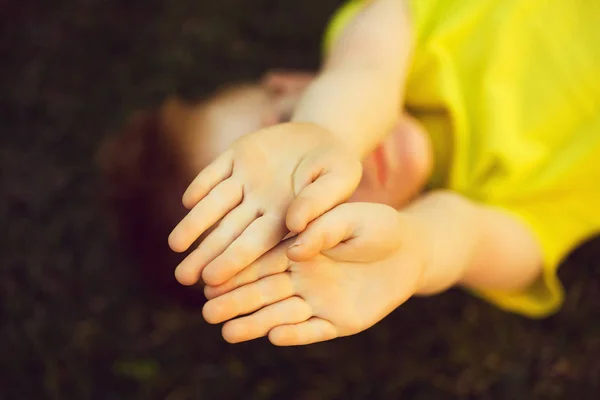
x=268, y=183
x=370, y=262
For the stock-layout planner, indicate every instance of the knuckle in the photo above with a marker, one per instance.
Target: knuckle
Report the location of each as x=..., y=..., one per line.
x=327, y=238
x=227, y=287
x=224, y=233
x=218, y=195
x=234, y=186
x=276, y=231
x=267, y=288
x=303, y=309
x=304, y=205
x=226, y=190
x=263, y=269
x=287, y=286
x=261, y=292
x=239, y=254
x=236, y=301
x=324, y=239
x=247, y=275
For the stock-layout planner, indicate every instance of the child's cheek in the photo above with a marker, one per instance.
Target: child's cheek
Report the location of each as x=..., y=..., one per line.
x=269, y=119
x=366, y=194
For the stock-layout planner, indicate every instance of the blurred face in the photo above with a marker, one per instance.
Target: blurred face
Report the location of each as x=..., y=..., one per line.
x=239, y=111
x=398, y=169
x=392, y=174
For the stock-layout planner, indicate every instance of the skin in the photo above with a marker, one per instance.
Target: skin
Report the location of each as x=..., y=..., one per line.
x=259, y=196
x=432, y=228
x=268, y=194
x=231, y=114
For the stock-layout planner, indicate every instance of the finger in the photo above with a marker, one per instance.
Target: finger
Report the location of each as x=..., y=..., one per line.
x=215, y=173
x=321, y=185
x=312, y=331
x=205, y=214
x=188, y=272
x=324, y=233
x=292, y=310
x=261, y=236
x=273, y=262
x=249, y=298
x=352, y=232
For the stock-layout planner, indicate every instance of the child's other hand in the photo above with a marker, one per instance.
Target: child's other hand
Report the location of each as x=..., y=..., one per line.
x=354, y=265
x=291, y=171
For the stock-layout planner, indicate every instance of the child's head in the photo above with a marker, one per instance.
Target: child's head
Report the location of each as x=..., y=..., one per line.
x=151, y=161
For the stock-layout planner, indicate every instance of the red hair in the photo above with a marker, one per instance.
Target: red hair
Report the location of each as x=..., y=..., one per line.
x=144, y=178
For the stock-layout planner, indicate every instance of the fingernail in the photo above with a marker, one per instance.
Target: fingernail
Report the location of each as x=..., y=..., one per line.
x=297, y=243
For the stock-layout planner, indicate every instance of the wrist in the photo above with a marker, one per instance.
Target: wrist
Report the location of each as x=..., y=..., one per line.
x=409, y=262
x=361, y=122
x=320, y=135
x=445, y=226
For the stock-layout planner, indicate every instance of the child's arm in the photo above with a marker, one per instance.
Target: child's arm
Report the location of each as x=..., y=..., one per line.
x=359, y=92
x=473, y=245
x=456, y=241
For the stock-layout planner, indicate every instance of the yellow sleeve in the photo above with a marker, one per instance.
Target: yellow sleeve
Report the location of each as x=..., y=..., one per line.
x=560, y=222
x=512, y=108
x=559, y=200
x=420, y=13
x=524, y=111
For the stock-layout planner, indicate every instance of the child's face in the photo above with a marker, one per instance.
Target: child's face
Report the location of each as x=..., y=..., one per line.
x=392, y=175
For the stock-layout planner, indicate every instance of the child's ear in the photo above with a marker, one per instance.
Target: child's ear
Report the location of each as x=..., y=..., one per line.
x=282, y=82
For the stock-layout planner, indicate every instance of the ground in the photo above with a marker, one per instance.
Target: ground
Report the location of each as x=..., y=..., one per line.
x=75, y=322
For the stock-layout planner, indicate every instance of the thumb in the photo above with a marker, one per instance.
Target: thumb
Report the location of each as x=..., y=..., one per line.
x=322, y=234
x=321, y=182
x=351, y=232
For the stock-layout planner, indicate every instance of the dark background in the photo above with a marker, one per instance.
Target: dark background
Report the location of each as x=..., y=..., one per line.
x=75, y=320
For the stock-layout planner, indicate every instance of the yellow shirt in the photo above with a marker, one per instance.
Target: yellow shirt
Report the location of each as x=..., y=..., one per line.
x=509, y=91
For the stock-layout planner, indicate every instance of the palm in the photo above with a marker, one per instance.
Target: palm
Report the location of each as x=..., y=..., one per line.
x=346, y=294
x=358, y=265
x=247, y=193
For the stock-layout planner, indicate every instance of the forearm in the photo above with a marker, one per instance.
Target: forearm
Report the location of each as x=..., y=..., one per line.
x=473, y=245
x=359, y=93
